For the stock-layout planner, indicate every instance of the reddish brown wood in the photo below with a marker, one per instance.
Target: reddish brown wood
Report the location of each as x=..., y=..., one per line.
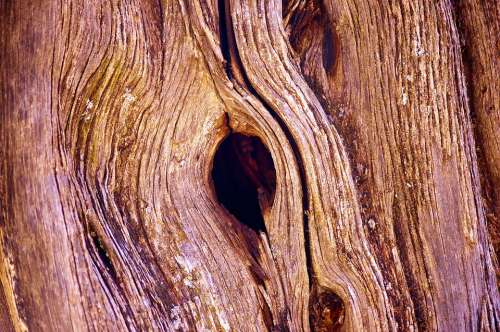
x=381, y=119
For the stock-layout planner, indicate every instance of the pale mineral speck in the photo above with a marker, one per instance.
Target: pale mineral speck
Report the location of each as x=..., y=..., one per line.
x=223, y=321
x=187, y=265
x=12, y=269
x=404, y=97
x=188, y=282
x=176, y=318
x=371, y=223
x=146, y=303
x=176, y=278
x=128, y=97
x=23, y=326
x=89, y=104
x=419, y=50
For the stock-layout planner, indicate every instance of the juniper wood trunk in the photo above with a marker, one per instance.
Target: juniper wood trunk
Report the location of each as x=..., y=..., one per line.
x=249, y=165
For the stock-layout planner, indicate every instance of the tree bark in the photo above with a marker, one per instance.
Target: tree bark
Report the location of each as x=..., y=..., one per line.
x=137, y=192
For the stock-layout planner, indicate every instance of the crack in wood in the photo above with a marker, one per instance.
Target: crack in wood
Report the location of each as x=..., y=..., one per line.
x=100, y=252
x=133, y=133
x=234, y=68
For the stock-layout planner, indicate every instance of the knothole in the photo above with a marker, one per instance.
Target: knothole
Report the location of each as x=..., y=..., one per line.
x=245, y=179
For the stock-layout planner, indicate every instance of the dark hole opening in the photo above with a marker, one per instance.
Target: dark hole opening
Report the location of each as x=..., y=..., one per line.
x=102, y=253
x=326, y=310
x=245, y=179
x=330, y=50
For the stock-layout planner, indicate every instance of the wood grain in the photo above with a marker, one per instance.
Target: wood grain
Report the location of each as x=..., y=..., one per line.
x=381, y=124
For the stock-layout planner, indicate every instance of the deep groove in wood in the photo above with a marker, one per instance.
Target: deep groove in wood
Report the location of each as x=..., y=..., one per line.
x=245, y=179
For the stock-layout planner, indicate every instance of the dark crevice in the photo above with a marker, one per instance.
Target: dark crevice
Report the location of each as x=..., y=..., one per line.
x=234, y=65
x=100, y=252
x=102, y=262
x=487, y=188
x=251, y=198
x=417, y=295
x=327, y=308
x=489, y=193
x=315, y=44
x=307, y=25
x=245, y=179
x=330, y=50
x=223, y=37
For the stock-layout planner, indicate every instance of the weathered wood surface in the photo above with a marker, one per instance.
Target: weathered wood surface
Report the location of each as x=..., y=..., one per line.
x=479, y=25
x=382, y=121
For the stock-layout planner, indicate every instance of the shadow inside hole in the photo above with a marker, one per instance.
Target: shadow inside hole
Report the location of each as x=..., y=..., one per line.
x=101, y=252
x=245, y=179
x=330, y=50
x=326, y=310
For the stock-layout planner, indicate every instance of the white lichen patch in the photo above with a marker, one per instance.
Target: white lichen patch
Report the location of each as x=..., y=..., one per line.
x=216, y=119
x=89, y=105
x=371, y=223
x=175, y=316
x=188, y=281
x=146, y=302
x=128, y=98
x=419, y=51
x=186, y=264
x=23, y=326
x=223, y=320
x=176, y=278
x=87, y=113
x=404, y=97
x=418, y=48
x=11, y=267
